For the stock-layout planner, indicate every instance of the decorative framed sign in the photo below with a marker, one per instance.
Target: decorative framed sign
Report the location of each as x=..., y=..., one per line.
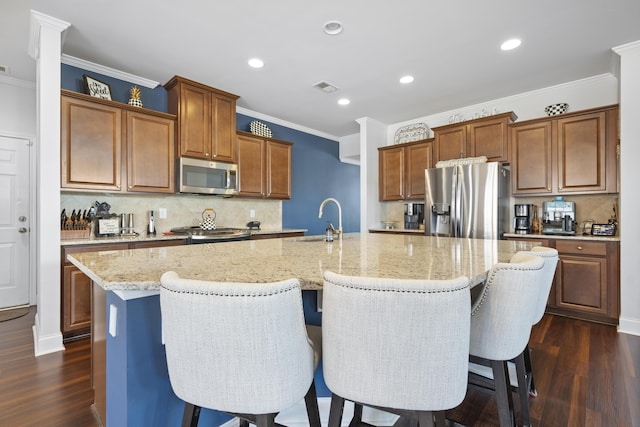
x=97, y=88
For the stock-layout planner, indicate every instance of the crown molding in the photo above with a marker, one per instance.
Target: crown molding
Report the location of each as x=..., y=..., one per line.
x=626, y=47
x=284, y=123
x=107, y=71
x=12, y=81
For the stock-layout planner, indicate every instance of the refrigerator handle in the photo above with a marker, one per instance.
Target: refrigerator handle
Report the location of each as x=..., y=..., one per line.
x=457, y=211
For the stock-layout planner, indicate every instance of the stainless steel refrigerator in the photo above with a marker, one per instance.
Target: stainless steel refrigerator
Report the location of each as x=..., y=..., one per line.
x=469, y=201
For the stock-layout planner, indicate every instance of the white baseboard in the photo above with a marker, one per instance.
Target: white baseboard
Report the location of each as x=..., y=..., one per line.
x=46, y=344
x=296, y=416
x=629, y=326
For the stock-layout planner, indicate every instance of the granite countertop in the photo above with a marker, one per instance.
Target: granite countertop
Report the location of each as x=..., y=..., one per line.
x=562, y=237
x=306, y=258
x=160, y=236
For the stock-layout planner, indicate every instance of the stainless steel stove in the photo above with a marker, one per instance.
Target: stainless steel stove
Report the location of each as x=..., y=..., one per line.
x=199, y=236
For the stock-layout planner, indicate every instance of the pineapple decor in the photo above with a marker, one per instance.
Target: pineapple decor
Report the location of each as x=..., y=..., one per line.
x=135, y=97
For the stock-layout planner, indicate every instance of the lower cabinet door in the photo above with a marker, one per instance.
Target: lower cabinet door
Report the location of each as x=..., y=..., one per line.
x=582, y=284
x=77, y=304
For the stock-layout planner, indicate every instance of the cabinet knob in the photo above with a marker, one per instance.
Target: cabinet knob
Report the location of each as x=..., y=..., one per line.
x=548, y=188
x=579, y=248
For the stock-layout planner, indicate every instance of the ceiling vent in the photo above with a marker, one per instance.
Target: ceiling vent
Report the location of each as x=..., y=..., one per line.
x=325, y=87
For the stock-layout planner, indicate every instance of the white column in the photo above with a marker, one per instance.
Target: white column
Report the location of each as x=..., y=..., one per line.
x=373, y=134
x=45, y=46
x=629, y=197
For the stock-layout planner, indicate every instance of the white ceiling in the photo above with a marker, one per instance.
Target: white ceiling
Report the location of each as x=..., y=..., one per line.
x=451, y=47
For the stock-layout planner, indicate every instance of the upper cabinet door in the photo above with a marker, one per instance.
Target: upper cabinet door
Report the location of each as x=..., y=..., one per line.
x=223, y=144
x=278, y=170
x=391, y=173
x=418, y=157
x=195, y=122
x=150, y=153
x=91, y=140
x=251, y=164
x=451, y=143
x=582, y=153
x=531, y=158
x=490, y=139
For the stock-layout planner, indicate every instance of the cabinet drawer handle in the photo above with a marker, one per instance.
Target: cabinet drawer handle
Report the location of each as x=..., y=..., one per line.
x=579, y=248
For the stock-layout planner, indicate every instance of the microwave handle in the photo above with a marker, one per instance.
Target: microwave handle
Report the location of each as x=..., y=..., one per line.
x=228, y=179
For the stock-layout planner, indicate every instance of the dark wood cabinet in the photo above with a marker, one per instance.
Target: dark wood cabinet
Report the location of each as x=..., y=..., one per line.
x=75, y=312
x=264, y=167
x=531, y=147
x=206, y=120
x=487, y=136
x=570, y=154
x=401, y=170
x=587, y=281
x=105, y=144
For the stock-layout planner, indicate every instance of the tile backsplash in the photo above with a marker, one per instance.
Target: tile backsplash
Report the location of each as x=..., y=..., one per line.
x=182, y=210
x=598, y=207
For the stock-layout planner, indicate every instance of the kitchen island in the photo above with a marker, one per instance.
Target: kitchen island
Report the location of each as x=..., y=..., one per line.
x=130, y=375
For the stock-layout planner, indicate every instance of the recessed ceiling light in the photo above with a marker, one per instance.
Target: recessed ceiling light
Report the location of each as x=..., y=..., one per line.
x=406, y=79
x=344, y=101
x=256, y=63
x=510, y=44
x=333, y=28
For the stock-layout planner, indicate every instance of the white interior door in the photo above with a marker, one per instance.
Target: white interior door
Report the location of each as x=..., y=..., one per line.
x=14, y=221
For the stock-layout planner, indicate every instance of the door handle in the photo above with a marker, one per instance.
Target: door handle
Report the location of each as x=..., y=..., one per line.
x=22, y=230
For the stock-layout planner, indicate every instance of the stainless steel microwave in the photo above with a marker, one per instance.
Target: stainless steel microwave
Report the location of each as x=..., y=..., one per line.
x=205, y=177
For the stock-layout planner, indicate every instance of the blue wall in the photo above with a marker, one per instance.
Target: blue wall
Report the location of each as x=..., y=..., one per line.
x=316, y=171
x=153, y=99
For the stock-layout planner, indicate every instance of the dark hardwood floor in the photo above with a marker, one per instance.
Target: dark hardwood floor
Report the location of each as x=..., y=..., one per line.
x=51, y=390
x=586, y=375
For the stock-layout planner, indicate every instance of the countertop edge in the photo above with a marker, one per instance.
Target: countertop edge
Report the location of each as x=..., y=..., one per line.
x=160, y=237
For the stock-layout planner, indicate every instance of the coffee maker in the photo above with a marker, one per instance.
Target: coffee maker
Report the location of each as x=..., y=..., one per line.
x=523, y=218
x=413, y=215
x=559, y=217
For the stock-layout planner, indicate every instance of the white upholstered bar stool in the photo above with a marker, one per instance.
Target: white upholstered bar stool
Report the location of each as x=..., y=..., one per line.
x=396, y=345
x=550, y=256
x=501, y=321
x=239, y=348
x=522, y=379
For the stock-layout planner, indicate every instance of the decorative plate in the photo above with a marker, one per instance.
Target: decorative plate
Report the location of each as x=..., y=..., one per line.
x=259, y=128
x=410, y=133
